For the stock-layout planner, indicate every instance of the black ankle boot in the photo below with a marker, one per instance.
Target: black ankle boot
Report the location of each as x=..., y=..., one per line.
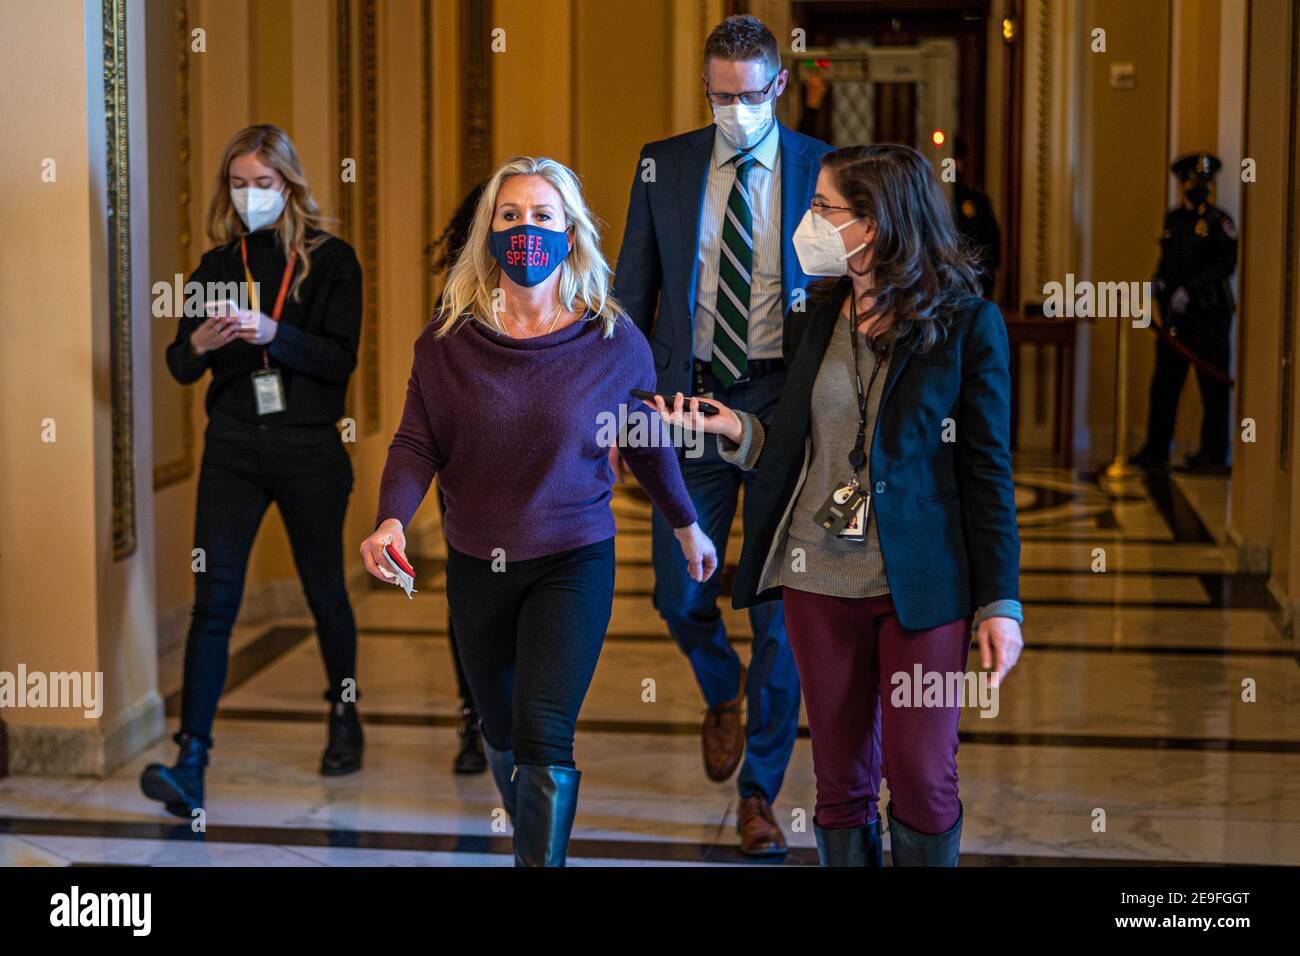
x=546, y=803
x=502, y=763
x=343, y=752
x=471, y=758
x=851, y=846
x=180, y=786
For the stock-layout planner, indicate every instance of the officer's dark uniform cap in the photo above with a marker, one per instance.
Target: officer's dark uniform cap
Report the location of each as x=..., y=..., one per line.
x=1201, y=165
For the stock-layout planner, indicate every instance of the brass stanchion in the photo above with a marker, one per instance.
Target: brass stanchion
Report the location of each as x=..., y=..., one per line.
x=1119, y=476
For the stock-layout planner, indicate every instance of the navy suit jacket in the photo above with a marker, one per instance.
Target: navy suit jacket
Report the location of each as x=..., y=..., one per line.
x=657, y=263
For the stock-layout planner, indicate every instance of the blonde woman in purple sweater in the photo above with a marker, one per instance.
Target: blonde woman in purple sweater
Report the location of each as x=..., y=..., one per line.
x=512, y=390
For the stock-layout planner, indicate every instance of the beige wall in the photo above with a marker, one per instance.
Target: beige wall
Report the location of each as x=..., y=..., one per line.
x=1261, y=499
x=65, y=603
x=1123, y=160
x=619, y=103
x=589, y=82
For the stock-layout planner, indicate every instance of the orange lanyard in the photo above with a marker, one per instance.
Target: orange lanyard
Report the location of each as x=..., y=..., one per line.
x=252, y=288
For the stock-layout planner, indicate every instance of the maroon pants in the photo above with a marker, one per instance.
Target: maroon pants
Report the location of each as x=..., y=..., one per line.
x=847, y=651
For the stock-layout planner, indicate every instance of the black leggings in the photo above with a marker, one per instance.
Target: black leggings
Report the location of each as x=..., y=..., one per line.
x=466, y=696
x=529, y=637
x=310, y=485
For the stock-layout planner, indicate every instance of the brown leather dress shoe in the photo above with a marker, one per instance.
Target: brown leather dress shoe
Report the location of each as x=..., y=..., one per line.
x=722, y=737
x=759, y=834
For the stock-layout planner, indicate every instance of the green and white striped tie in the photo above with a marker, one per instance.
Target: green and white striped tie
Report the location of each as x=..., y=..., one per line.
x=735, y=271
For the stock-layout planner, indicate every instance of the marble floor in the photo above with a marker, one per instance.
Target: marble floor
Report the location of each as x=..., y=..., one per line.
x=1126, y=708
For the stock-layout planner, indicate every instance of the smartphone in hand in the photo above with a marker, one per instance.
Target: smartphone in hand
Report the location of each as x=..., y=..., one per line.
x=705, y=409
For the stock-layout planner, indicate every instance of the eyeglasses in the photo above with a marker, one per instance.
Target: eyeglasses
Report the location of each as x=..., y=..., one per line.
x=822, y=208
x=749, y=97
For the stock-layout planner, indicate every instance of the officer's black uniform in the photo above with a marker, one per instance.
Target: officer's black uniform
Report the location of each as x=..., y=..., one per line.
x=1198, y=254
x=975, y=221
x=973, y=215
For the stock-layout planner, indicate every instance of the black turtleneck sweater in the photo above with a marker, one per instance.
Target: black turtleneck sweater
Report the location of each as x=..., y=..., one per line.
x=315, y=348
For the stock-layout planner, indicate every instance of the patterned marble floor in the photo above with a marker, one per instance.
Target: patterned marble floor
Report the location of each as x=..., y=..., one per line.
x=1127, y=701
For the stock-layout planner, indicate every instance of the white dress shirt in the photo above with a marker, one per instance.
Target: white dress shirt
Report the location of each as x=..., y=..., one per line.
x=766, y=310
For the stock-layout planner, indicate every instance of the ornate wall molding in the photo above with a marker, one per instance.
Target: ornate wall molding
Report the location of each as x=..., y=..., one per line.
x=178, y=469
x=118, y=218
x=1043, y=146
x=362, y=230
x=369, y=181
x=343, y=112
x=426, y=156
x=1290, y=243
x=343, y=146
x=476, y=96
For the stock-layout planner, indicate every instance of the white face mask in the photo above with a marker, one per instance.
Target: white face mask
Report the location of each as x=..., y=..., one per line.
x=258, y=207
x=820, y=247
x=744, y=126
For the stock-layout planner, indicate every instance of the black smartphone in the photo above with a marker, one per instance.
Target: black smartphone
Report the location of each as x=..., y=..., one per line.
x=705, y=410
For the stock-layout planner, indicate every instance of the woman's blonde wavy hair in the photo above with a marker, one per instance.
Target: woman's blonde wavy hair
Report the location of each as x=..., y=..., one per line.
x=273, y=148
x=584, y=274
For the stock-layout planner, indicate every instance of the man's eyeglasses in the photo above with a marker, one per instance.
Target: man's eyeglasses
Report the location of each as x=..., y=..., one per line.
x=749, y=97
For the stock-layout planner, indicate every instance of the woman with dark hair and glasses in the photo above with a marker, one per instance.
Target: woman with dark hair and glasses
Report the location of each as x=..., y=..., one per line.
x=886, y=509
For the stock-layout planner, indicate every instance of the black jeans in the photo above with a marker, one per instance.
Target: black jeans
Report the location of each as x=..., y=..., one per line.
x=529, y=638
x=238, y=480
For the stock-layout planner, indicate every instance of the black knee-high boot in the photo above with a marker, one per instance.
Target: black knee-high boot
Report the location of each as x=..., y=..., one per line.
x=546, y=802
x=180, y=786
x=502, y=765
x=907, y=847
x=852, y=846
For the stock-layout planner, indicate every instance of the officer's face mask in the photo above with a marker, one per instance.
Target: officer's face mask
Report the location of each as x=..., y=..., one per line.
x=1197, y=193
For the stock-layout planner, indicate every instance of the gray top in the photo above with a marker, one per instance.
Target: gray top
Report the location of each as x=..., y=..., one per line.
x=836, y=567
x=814, y=561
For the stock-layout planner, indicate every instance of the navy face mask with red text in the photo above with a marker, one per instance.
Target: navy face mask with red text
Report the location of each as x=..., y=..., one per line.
x=529, y=254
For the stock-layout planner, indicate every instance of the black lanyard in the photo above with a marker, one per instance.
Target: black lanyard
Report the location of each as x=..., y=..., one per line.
x=858, y=456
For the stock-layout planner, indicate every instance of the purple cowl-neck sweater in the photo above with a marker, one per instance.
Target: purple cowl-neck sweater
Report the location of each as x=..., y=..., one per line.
x=513, y=429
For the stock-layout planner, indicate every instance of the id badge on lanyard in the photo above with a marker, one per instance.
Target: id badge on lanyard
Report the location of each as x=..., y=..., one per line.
x=844, y=515
x=268, y=386
x=268, y=391
x=848, y=507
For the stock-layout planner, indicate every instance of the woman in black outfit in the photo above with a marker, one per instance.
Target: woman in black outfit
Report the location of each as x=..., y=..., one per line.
x=471, y=757
x=277, y=324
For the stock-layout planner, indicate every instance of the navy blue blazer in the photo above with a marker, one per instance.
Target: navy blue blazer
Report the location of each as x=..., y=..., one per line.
x=945, y=509
x=656, y=265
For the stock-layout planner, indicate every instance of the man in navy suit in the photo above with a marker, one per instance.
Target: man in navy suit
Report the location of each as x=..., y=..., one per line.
x=708, y=242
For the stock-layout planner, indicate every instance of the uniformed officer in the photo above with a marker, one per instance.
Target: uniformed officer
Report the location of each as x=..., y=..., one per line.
x=1198, y=254
x=973, y=214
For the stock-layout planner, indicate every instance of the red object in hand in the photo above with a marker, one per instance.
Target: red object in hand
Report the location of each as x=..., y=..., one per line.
x=397, y=560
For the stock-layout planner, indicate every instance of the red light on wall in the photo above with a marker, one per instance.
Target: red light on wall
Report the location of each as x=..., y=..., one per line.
x=937, y=137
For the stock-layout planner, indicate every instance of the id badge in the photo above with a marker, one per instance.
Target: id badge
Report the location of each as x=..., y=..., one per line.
x=844, y=515
x=268, y=391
